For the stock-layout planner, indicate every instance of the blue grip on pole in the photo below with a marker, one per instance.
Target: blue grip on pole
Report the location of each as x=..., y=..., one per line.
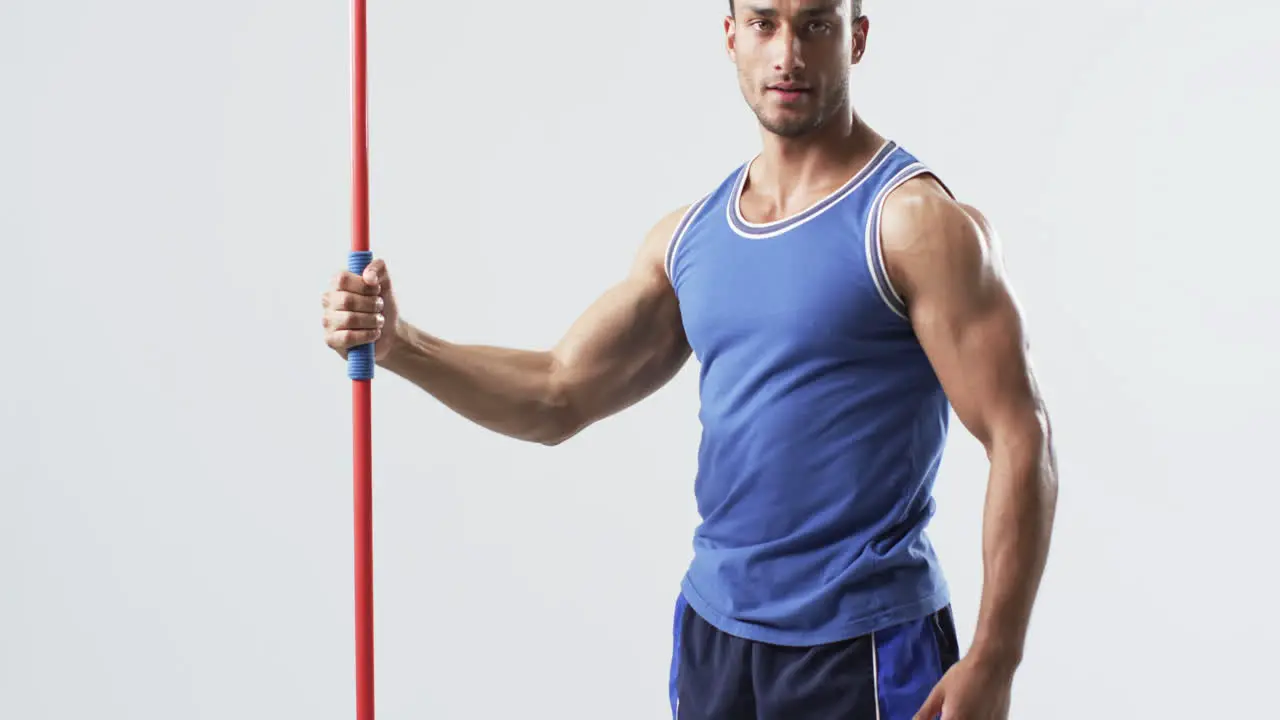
x=359, y=358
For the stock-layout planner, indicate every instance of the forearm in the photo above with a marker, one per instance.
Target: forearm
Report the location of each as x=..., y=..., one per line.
x=511, y=392
x=1017, y=523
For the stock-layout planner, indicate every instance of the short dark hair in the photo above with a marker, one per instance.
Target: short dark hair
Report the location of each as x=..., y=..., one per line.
x=857, y=8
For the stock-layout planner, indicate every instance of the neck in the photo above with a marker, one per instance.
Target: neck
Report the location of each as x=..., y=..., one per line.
x=818, y=158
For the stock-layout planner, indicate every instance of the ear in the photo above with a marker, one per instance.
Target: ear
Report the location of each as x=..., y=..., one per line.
x=731, y=37
x=861, y=27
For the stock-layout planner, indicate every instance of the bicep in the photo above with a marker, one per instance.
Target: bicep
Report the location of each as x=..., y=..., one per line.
x=628, y=343
x=967, y=320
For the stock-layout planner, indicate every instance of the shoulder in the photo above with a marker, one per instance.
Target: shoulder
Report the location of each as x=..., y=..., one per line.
x=651, y=257
x=665, y=228
x=663, y=236
x=928, y=235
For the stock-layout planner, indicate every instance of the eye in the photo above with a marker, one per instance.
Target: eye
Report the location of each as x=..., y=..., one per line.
x=819, y=26
x=762, y=25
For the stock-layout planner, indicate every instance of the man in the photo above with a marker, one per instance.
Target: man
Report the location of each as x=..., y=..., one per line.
x=841, y=302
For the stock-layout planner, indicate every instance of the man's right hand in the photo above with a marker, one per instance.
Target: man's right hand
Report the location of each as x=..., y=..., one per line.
x=626, y=345
x=361, y=309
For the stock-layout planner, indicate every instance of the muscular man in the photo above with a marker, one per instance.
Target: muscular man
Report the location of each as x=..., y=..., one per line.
x=841, y=302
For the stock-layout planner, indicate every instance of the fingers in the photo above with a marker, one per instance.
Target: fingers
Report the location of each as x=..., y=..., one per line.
x=345, y=329
x=354, y=306
x=344, y=320
x=352, y=302
x=344, y=340
x=352, y=283
x=932, y=708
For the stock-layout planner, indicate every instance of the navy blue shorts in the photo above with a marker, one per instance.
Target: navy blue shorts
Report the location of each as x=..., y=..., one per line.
x=886, y=675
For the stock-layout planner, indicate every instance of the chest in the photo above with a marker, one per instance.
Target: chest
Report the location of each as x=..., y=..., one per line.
x=807, y=291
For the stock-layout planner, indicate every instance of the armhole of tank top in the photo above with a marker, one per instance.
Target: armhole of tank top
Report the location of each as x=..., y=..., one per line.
x=677, y=236
x=875, y=247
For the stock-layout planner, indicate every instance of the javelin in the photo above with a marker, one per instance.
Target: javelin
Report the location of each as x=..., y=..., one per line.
x=360, y=363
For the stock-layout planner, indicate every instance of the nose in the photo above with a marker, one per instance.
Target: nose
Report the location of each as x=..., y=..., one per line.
x=789, y=57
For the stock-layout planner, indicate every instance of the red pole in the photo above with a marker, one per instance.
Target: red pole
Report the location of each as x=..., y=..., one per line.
x=360, y=370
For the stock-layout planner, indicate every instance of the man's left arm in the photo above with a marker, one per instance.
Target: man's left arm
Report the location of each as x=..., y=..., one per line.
x=943, y=259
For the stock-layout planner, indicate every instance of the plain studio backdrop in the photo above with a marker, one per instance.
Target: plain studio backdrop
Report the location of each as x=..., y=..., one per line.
x=175, y=511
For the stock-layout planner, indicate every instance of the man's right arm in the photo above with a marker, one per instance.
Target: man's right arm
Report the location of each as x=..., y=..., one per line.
x=628, y=344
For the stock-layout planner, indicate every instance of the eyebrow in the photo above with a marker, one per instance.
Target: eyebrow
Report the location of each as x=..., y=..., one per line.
x=826, y=8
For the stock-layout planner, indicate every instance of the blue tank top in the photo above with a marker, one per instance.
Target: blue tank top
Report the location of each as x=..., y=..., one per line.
x=823, y=422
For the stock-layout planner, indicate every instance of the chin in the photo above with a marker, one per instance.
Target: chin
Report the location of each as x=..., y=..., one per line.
x=790, y=126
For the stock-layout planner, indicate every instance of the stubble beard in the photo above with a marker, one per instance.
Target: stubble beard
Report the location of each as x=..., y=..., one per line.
x=792, y=126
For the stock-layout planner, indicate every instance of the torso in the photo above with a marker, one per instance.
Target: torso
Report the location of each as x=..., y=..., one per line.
x=822, y=419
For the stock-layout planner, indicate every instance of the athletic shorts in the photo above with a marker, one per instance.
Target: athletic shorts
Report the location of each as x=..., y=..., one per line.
x=886, y=675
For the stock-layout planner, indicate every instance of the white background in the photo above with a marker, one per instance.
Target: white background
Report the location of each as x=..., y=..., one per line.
x=175, y=526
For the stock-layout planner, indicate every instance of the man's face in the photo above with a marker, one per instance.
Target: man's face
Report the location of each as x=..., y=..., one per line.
x=793, y=59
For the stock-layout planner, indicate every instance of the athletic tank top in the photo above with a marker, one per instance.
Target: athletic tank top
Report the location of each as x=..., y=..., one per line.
x=823, y=422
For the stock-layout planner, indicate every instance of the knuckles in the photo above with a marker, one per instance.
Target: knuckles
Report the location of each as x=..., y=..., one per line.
x=352, y=309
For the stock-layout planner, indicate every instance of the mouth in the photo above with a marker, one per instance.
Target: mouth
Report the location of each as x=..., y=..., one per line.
x=789, y=91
